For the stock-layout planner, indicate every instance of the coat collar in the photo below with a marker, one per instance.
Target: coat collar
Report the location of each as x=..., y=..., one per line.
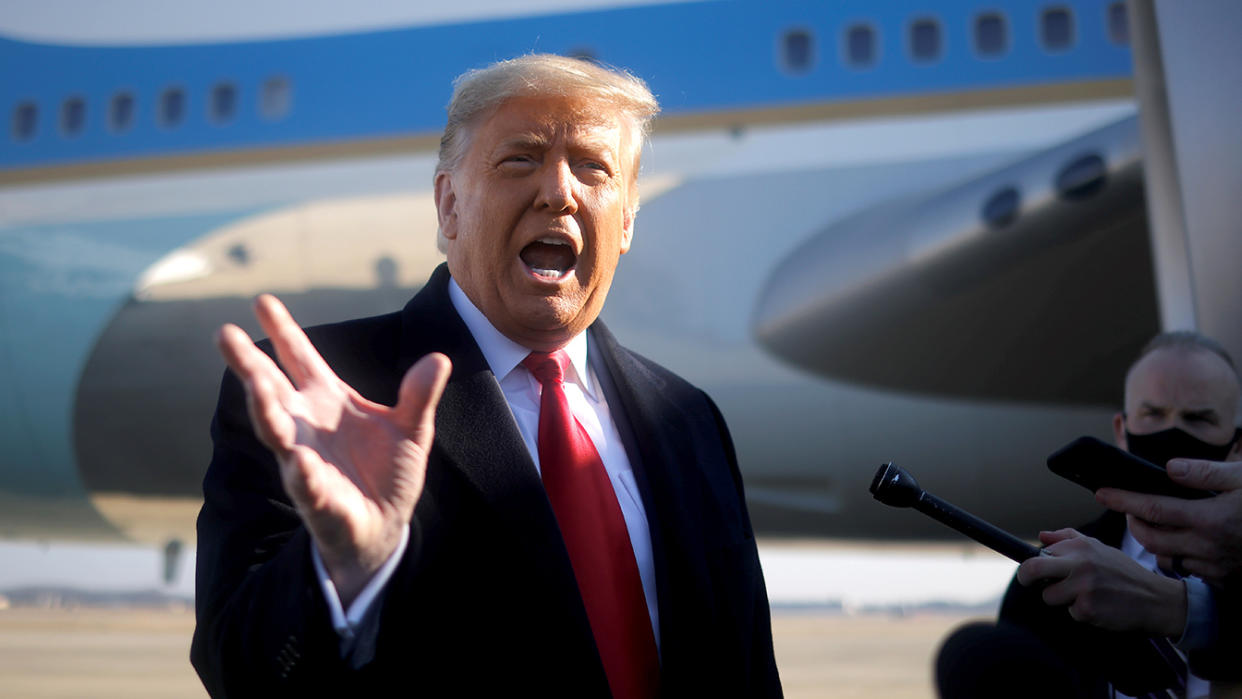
x=476, y=434
x=475, y=429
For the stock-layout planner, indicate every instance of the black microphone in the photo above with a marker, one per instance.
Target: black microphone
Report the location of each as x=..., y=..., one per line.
x=894, y=486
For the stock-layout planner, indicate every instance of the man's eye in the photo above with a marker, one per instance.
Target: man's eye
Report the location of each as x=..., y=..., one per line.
x=594, y=167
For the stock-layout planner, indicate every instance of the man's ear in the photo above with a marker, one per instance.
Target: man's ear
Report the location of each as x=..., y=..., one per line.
x=627, y=230
x=446, y=205
x=1119, y=431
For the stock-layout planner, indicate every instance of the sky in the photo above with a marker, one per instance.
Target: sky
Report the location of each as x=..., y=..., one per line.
x=166, y=21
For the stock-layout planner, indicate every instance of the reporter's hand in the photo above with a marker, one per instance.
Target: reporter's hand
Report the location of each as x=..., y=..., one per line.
x=1205, y=535
x=1104, y=587
x=354, y=469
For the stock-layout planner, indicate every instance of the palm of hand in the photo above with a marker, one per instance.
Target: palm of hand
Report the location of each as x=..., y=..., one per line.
x=354, y=469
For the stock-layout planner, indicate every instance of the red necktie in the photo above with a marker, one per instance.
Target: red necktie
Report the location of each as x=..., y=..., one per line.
x=594, y=532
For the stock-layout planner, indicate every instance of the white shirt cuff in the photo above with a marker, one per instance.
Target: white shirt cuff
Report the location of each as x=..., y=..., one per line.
x=347, y=622
x=1200, y=631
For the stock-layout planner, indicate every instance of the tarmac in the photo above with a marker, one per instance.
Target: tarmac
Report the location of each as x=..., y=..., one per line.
x=144, y=653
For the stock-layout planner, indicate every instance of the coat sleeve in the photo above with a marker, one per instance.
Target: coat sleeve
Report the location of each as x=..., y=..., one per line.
x=1220, y=662
x=1127, y=660
x=764, y=678
x=263, y=627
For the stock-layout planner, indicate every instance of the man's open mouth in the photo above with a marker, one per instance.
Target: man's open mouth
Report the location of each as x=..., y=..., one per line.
x=549, y=258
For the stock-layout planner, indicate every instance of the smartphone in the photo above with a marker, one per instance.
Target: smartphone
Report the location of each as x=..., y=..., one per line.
x=1095, y=464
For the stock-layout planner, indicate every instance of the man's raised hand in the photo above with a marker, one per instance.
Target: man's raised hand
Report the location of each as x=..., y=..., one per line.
x=354, y=469
x=1204, y=536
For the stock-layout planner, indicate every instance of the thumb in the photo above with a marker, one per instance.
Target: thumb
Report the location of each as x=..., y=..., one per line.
x=420, y=394
x=1206, y=475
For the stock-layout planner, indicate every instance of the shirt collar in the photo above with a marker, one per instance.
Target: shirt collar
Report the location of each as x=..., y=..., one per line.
x=503, y=354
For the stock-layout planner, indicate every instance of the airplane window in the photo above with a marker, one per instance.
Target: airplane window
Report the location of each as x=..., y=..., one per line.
x=121, y=112
x=72, y=116
x=1082, y=177
x=172, y=107
x=925, y=39
x=860, y=46
x=797, y=51
x=1118, y=24
x=25, y=121
x=223, y=103
x=1001, y=208
x=991, y=35
x=1056, y=29
x=275, y=98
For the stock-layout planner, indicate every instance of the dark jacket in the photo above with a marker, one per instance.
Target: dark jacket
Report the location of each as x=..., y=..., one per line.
x=484, y=601
x=1127, y=660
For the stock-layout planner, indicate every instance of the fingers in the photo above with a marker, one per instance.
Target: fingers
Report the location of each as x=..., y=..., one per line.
x=1164, y=541
x=296, y=353
x=420, y=394
x=272, y=423
x=1038, y=568
x=1053, y=537
x=239, y=352
x=266, y=387
x=1154, y=509
x=1058, y=559
x=1206, y=475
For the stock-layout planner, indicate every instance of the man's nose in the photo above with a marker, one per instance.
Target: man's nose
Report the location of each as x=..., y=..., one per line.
x=556, y=188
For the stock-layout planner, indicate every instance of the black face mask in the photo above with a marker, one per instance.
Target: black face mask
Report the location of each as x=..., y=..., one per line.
x=1175, y=443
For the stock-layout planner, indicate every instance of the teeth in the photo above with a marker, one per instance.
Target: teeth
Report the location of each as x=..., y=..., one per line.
x=554, y=241
x=553, y=273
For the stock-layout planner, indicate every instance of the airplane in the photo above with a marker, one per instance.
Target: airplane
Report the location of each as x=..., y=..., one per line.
x=867, y=230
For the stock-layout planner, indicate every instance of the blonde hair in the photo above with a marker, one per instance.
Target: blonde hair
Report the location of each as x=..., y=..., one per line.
x=478, y=91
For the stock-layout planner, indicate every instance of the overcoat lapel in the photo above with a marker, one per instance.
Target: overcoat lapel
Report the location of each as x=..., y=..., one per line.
x=477, y=436
x=475, y=429
x=654, y=428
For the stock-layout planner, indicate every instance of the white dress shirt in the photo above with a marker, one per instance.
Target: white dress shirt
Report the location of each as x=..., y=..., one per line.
x=1198, y=611
x=522, y=392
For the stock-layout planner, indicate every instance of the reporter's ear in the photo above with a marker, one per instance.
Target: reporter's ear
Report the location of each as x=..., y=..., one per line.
x=1119, y=431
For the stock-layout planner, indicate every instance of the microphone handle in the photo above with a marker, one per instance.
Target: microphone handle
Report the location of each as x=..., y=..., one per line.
x=990, y=536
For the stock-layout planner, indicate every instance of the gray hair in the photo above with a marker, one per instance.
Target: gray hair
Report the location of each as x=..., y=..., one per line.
x=479, y=91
